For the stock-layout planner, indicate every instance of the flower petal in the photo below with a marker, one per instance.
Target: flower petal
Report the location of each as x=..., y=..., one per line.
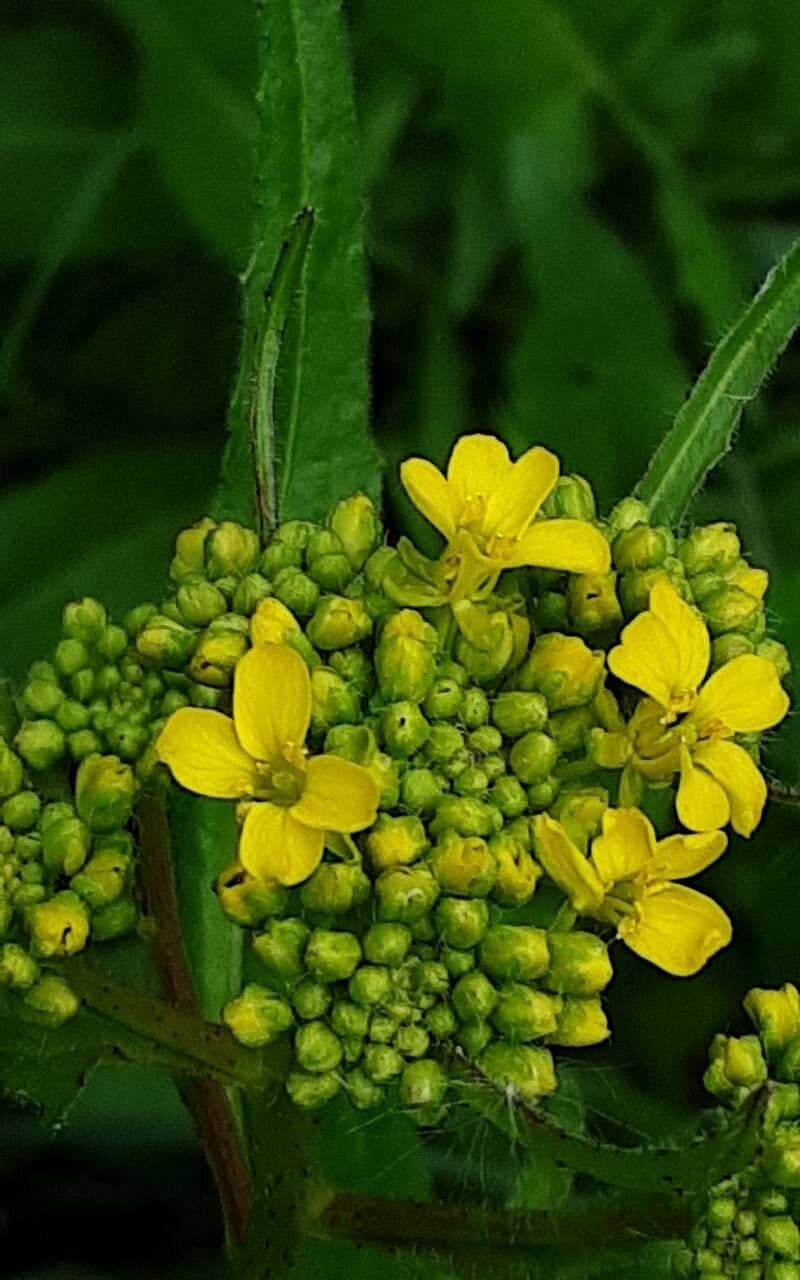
x=271, y=700
x=431, y=494
x=701, y=803
x=688, y=631
x=275, y=846
x=515, y=500
x=681, y=856
x=573, y=546
x=745, y=696
x=626, y=846
x=203, y=753
x=739, y=776
x=339, y=796
x=648, y=658
x=677, y=929
x=477, y=465
x=566, y=865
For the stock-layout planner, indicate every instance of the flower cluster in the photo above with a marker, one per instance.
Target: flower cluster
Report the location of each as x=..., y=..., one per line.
x=749, y=1226
x=444, y=770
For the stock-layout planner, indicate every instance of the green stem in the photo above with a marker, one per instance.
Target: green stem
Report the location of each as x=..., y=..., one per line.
x=384, y=1222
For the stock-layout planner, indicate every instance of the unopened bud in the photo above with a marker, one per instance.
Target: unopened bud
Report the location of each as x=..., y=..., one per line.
x=257, y=1016
x=461, y=922
x=789, y=1064
x=776, y=653
x=464, y=866
x=592, y=604
x=363, y=1093
x=165, y=643
x=350, y=1021
x=440, y=1021
x=522, y=1013
x=529, y=1072
x=317, y=1048
x=579, y=964
x=332, y=957
x=782, y=1158
x=517, y=873
x=273, y=623
x=572, y=498
x=104, y=791
x=405, y=894
x=357, y=524
x=775, y=1015
x=333, y=701
x=396, y=842
x=474, y=1037
x=780, y=1235
x=562, y=668
x=311, y=999
x=736, y=1066
x=533, y=757
x=338, y=622
x=11, y=771
x=280, y=947
x=70, y=657
x=21, y=812
x=580, y=811
x=443, y=699
x=199, y=602
x=42, y=697
x=52, y=1001
x=370, y=985
x=710, y=547
x=382, y=1063
x=642, y=546
x=518, y=713
x=115, y=920
x=332, y=571
x=334, y=888
x=730, y=609
x=65, y=845
x=387, y=944
x=246, y=899
x=404, y=728
x=508, y=795
x=230, y=549
x=474, y=708
x=626, y=514
x=443, y=743
x=465, y=815
x=405, y=657
x=423, y=1084
x=474, y=997
x=298, y=592
x=40, y=743
x=384, y=771
x=581, y=1022
x=516, y=953
x=487, y=660
x=59, y=926
x=18, y=969
x=421, y=791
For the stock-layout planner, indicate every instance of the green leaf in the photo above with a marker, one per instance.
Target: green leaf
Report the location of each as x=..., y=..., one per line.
x=307, y=160
x=703, y=430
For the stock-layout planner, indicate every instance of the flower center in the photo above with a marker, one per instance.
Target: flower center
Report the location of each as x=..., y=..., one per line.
x=473, y=511
x=283, y=781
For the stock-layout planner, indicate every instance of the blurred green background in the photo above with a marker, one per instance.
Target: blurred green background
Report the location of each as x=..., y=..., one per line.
x=566, y=204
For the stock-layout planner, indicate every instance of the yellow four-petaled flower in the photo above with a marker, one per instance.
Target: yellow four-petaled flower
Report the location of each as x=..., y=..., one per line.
x=690, y=721
x=486, y=506
x=259, y=756
x=627, y=881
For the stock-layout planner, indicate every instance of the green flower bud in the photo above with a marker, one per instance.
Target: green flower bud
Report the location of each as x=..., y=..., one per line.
x=112, y=643
x=333, y=701
x=550, y=612
x=85, y=743
x=70, y=656
x=102, y=879
x=474, y=997
x=517, y=713
x=317, y=1048
x=461, y=922
x=736, y=1066
x=472, y=781
x=581, y=1022
x=350, y=1021
x=199, y=602
x=730, y=609
x=508, y=795
x=165, y=643
x=519, y=953
x=455, y=766
x=521, y=1013
x=370, y=985
x=493, y=766
x=474, y=708
x=563, y=669
x=772, y=1201
x=280, y=555
x=247, y=900
x=387, y=944
x=405, y=657
x=710, y=547
x=473, y=1038
x=82, y=684
x=782, y=1159
x=592, y=604
x=18, y=970
x=107, y=681
x=311, y=999
x=40, y=743
x=421, y=791
x=777, y=1271
x=580, y=811
x=335, y=888
x=626, y=514
x=377, y=566
x=65, y=845
x=579, y=964
x=104, y=791
x=533, y=757
x=441, y=1022
x=138, y=618
x=382, y=1063
x=42, y=697
x=332, y=957
x=354, y=667
x=382, y=1028
x=431, y=978
x=443, y=742
x=789, y=1064
x=485, y=662
x=783, y=1103
x=570, y=729
x=517, y=873
x=249, y=593
x=465, y=815
x=780, y=1235
x=52, y=1001
x=642, y=547
x=385, y=773
x=636, y=584
x=527, y=1071
x=484, y=741
x=772, y=651
x=404, y=728
x=21, y=812
x=332, y=572
x=280, y=947
x=356, y=522
x=230, y=550
x=298, y=593
x=394, y=842
x=443, y=700
x=423, y=1085
x=775, y=1015
x=464, y=866
x=572, y=498
x=257, y=1017
x=84, y=620
x=322, y=542
x=115, y=920
x=338, y=622
x=216, y=657
x=11, y=771
x=54, y=813
x=405, y=894
x=362, y=1092
x=412, y=1041
x=310, y=1092
x=59, y=926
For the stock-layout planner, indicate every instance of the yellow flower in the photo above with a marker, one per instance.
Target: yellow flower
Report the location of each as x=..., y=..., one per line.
x=258, y=756
x=627, y=881
x=689, y=723
x=485, y=508
x=272, y=623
